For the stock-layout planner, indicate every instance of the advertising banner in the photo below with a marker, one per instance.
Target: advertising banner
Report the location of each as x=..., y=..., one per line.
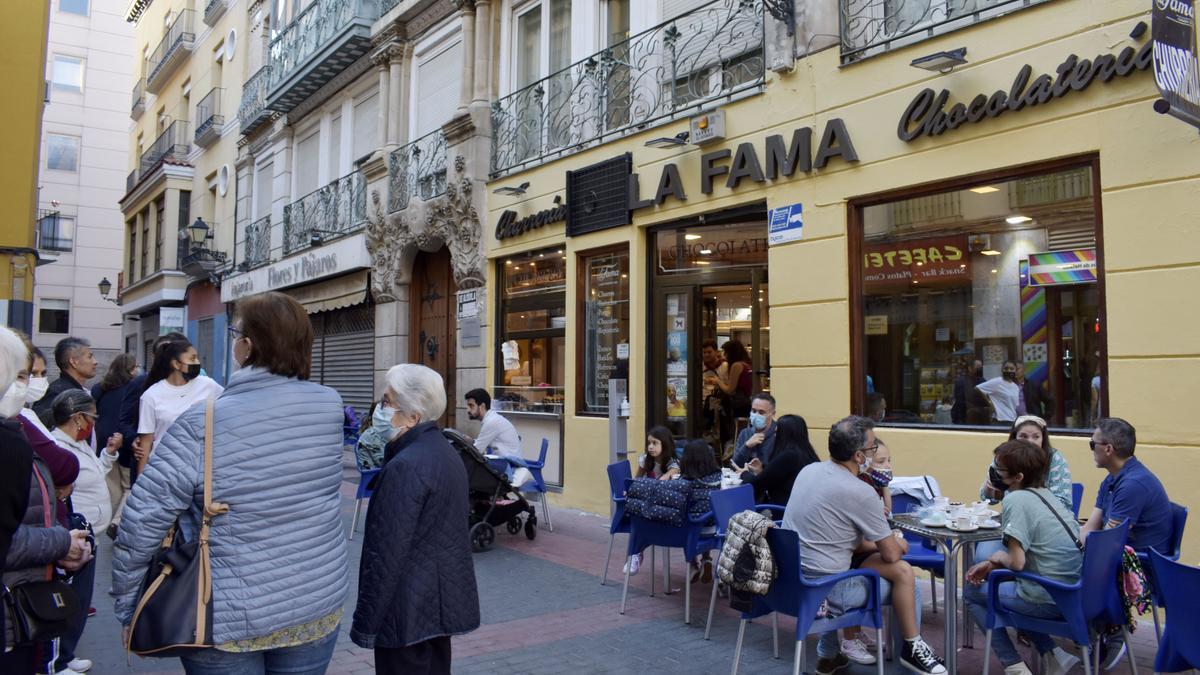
x=1063, y=267
x=1176, y=69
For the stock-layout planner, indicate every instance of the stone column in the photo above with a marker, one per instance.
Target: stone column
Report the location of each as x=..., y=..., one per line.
x=402, y=109
x=483, y=37
x=395, y=100
x=382, y=61
x=467, y=84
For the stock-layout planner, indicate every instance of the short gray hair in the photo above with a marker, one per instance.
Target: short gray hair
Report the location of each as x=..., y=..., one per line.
x=417, y=389
x=14, y=357
x=70, y=403
x=848, y=436
x=1118, y=433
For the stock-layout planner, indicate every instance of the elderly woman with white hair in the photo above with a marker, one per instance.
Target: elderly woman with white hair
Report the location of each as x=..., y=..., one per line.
x=416, y=582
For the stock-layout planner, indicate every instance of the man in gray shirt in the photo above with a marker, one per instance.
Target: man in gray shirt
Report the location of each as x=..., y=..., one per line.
x=837, y=516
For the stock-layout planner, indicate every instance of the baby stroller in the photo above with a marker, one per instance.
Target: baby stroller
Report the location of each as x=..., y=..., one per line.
x=493, y=500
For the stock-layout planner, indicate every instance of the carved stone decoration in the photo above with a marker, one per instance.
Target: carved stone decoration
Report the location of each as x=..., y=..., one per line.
x=451, y=220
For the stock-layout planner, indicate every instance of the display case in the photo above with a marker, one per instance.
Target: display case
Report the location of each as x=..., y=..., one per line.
x=530, y=399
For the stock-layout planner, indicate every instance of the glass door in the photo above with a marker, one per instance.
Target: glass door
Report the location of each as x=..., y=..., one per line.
x=1074, y=386
x=673, y=374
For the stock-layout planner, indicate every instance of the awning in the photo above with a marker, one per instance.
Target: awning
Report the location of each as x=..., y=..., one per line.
x=323, y=296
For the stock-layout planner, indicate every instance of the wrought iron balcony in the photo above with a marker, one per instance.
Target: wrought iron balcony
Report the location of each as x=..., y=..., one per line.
x=174, y=142
x=417, y=170
x=131, y=181
x=214, y=10
x=52, y=235
x=325, y=38
x=870, y=27
x=139, y=99
x=171, y=51
x=253, y=109
x=198, y=260
x=256, y=248
x=336, y=209
x=710, y=53
x=209, y=119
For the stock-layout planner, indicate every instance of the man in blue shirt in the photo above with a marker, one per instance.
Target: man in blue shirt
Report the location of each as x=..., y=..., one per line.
x=757, y=441
x=1129, y=492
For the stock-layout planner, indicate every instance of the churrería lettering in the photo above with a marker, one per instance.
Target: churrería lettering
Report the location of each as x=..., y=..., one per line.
x=511, y=226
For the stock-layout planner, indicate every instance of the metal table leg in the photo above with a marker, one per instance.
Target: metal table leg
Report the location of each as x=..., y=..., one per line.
x=950, y=586
x=968, y=637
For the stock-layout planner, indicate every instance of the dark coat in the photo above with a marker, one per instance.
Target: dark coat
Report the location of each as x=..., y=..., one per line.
x=42, y=407
x=778, y=475
x=1038, y=400
x=416, y=580
x=16, y=456
x=131, y=410
x=108, y=412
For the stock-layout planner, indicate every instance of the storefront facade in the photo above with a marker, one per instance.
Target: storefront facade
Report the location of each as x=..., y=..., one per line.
x=1044, y=219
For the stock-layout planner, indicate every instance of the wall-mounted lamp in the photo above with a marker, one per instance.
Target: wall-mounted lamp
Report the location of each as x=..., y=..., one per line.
x=105, y=287
x=510, y=191
x=675, y=141
x=942, y=62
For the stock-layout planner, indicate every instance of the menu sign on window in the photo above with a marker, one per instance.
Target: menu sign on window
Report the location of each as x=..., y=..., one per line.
x=606, y=333
x=895, y=266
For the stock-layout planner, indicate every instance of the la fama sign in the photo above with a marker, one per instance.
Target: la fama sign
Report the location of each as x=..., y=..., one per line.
x=333, y=259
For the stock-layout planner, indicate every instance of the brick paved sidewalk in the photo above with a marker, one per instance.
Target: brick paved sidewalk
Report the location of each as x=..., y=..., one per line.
x=544, y=611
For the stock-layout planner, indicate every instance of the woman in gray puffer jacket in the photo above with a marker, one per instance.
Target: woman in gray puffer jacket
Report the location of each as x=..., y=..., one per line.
x=279, y=558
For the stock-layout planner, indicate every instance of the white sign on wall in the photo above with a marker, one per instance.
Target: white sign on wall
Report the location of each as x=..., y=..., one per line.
x=339, y=257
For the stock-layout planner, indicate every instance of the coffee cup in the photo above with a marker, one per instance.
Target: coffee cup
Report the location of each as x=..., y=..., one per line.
x=937, y=517
x=942, y=503
x=964, y=522
x=981, y=508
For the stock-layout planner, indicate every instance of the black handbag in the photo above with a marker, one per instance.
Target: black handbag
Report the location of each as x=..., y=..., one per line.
x=174, y=610
x=42, y=610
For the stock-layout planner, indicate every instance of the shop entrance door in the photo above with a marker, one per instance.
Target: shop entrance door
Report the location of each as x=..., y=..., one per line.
x=432, y=328
x=1074, y=318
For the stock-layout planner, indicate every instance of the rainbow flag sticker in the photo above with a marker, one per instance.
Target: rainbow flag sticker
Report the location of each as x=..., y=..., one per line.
x=1056, y=268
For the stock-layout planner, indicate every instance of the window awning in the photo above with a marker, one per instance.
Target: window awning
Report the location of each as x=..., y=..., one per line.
x=344, y=291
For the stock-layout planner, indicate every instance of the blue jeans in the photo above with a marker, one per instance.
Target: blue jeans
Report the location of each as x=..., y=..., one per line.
x=976, y=599
x=852, y=594
x=307, y=659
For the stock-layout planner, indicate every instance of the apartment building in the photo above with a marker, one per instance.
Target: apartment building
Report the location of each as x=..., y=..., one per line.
x=81, y=177
x=180, y=198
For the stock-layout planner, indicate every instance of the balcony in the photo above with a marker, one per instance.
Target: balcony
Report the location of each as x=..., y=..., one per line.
x=139, y=99
x=172, y=51
x=173, y=143
x=53, y=232
x=709, y=54
x=214, y=10
x=209, y=119
x=336, y=209
x=131, y=181
x=417, y=170
x=321, y=42
x=253, y=111
x=256, y=248
x=197, y=260
x=871, y=27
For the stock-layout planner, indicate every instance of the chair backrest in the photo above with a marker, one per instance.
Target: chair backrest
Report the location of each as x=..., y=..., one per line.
x=1181, y=584
x=1101, y=560
x=618, y=473
x=1179, y=516
x=902, y=503
x=545, y=449
x=365, y=476
x=785, y=595
x=726, y=503
x=1076, y=497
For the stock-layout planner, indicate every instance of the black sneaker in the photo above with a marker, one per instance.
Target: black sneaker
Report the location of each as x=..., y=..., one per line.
x=831, y=666
x=919, y=658
x=1112, y=650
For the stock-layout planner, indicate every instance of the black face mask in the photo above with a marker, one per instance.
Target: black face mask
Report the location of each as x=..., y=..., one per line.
x=995, y=479
x=191, y=371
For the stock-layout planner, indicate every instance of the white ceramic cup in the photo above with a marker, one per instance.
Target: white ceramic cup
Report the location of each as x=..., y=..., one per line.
x=942, y=503
x=964, y=522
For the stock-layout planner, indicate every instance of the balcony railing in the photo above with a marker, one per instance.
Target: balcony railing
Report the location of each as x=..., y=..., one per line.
x=870, y=27
x=209, y=119
x=214, y=10
x=253, y=109
x=199, y=260
x=712, y=52
x=131, y=181
x=256, y=249
x=417, y=170
x=178, y=41
x=139, y=99
x=336, y=209
x=50, y=232
x=173, y=142
x=321, y=42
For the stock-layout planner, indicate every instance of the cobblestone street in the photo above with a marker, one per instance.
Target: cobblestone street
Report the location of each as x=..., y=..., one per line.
x=544, y=611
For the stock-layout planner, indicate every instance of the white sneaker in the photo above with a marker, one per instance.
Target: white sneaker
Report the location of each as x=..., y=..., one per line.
x=1059, y=662
x=1017, y=669
x=857, y=652
x=633, y=564
x=80, y=665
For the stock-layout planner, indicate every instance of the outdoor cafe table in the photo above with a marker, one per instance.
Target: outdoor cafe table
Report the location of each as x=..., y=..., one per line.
x=951, y=544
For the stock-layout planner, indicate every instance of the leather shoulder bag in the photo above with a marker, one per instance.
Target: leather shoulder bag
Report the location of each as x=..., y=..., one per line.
x=174, y=611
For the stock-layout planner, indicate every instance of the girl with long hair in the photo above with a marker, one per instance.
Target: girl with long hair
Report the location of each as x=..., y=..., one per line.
x=793, y=451
x=659, y=460
x=173, y=385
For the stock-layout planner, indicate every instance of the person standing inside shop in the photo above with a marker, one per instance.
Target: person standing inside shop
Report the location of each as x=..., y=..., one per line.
x=737, y=383
x=1003, y=394
x=963, y=386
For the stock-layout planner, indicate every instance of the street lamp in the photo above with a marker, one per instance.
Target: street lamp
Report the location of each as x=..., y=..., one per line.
x=200, y=233
x=105, y=286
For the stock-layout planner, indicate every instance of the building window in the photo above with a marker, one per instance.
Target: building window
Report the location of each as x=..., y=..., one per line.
x=62, y=152
x=533, y=322
x=66, y=73
x=182, y=233
x=160, y=227
x=603, y=306
x=145, y=243
x=73, y=6
x=132, y=249
x=982, y=302
x=55, y=232
x=54, y=316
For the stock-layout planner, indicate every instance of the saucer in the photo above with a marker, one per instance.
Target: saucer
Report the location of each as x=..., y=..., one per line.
x=989, y=524
x=929, y=522
x=969, y=528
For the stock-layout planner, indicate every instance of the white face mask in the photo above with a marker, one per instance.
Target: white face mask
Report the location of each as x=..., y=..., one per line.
x=13, y=400
x=37, y=389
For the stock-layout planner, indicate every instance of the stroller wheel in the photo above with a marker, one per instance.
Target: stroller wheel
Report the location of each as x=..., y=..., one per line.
x=513, y=526
x=531, y=528
x=483, y=536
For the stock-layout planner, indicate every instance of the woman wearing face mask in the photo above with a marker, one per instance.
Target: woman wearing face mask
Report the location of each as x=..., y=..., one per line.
x=417, y=580
x=374, y=437
x=1033, y=429
x=793, y=451
x=280, y=567
x=173, y=385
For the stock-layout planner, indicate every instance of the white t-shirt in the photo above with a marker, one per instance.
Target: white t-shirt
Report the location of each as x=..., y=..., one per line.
x=163, y=403
x=499, y=434
x=1005, y=397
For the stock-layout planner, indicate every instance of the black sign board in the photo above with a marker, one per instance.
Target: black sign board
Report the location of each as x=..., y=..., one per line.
x=598, y=195
x=1176, y=68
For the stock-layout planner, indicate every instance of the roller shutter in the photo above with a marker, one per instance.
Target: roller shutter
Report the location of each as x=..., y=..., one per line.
x=344, y=353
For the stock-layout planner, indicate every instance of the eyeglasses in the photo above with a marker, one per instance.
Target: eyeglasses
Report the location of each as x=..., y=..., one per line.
x=1093, y=444
x=235, y=332
x=870, y=450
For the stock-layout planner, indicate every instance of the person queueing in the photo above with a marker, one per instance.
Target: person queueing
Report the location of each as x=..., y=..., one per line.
x=1040, y=537
x=109, y=393
x=173, y=386
x=76, y=365
x=131, y=403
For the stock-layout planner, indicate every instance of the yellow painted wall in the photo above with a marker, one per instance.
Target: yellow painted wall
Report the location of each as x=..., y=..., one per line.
x=1150, y=185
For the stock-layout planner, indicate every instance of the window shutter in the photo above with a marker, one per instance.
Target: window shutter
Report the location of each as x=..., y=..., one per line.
x=307, y=163
x=437, y=89
x=366, y=126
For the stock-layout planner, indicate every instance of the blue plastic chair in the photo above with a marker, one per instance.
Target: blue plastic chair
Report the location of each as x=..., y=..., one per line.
x=1076, y=498
x=725, y=504
x=1179, y=516
x=1179, y=648
x=920, y=554
x=1094, y=599
x=539, y=484
x=618, y=473
x=644, y=533
x=364, y=492
x=793, y=595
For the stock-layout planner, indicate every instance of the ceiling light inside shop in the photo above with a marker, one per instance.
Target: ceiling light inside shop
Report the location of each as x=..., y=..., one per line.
x=706, y=251
x=984, y=189
x=993, y=271
x=507, y=262
x=703, y=262
x=1017, y=220
x=691, y=237
x=990, y=251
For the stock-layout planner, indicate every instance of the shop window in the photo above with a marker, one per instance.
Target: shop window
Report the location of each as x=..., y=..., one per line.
x=531, y=348
x=54, y=316
x=62, y=152
x=603, y=307
x=982, y=303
